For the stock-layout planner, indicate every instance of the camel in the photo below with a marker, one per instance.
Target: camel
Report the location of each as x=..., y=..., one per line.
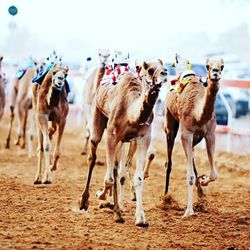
x=193, y=110
x=21, y=98
x=50, y=104
x=89, y=91
x=2, y=89
x=126, y=110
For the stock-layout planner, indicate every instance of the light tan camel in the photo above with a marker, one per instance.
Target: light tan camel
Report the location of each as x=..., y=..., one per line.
x=89, y=91
x=193, y=109
x=2, y=89
x=21, y=94
x=50, y=105
x=126, y=110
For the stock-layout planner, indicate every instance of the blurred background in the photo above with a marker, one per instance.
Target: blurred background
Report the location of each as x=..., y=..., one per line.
x=76, y=29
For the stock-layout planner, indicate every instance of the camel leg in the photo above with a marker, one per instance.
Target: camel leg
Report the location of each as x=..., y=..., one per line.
x=87, y=119
x=200, y=191
x=32, y=124
x=210, y=143
x=13, y=97
x=57, y=152
x=118, y=214
x=131, y=152
x=12, y=115
x=40, y=152
x=85, y=148
x=150, y=157
x=43, y=126
x=99, y=124
x=171, y=130
x=142, y=147
x=24, y=129
x=187, y=142
x=122, y=176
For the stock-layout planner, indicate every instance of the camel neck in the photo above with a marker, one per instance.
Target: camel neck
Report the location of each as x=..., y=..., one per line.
x=209, y=102
x=148, y=104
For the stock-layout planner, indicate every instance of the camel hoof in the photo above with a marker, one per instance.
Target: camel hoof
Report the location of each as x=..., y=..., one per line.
x=7, y=146
x=203, y=180
x=188, y=212
x=83, y=153
x=106, y=205
x=53, y=168
x=47, y=182
x=133, y=197
x=36, y=182
x=83, y=202
x=118, y=219
x=99, y=163
x=142, y=224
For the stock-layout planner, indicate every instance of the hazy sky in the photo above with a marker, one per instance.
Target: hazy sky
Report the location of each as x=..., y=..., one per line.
x=142, y=26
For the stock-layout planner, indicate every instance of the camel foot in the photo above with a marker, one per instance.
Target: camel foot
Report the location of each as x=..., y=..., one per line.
x=200, y=191
x=83, y=153
x=7, y=146
x=83, y=202
x=203, y=180
x=36, y=182
x=101, y=194
x=99, y=163
x=53, y=168
x=142, y=224
x=146, y=175
x=107, y=205
x=118, y=218
x=47, y=182
x=188, y=212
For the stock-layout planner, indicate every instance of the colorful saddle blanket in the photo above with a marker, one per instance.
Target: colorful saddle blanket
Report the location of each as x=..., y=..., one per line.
x=41, y=75
x=114, y=75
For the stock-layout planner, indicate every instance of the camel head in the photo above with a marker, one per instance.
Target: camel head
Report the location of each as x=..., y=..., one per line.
x=59, y=75
x=154, y=73
x=214, y=69
x=103, y=55
x=1, y=59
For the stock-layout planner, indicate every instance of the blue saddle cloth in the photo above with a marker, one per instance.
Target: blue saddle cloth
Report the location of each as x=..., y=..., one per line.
x=41, y=75
x=20, y=73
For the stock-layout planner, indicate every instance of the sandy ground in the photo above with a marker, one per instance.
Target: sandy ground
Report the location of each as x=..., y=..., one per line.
x=47, y=216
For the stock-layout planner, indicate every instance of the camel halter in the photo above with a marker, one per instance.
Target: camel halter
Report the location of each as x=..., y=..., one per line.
x=154, y=78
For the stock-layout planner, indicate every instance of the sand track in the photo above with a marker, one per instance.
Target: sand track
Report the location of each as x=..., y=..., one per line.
x=46, y=216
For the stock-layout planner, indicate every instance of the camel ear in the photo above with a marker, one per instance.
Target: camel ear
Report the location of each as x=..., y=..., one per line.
x=207, y=63
x=67, y=69
x=145, y=65
x=160, y=61
x=222, y=62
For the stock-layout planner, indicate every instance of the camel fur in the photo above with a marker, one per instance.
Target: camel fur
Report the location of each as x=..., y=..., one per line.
x=2, y=89
x=21, y=98
x=126, y=110
x=92, y=83
x=193, y=111
x=51, y=109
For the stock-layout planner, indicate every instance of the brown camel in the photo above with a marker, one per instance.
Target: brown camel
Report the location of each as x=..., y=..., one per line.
x=21, y=95
x=126, y=110
x=50, y=105
x=89, y=91
x=2, y=89
x=193, y=109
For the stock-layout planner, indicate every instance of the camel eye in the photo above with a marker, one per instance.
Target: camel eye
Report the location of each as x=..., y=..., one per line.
x=151, y=71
